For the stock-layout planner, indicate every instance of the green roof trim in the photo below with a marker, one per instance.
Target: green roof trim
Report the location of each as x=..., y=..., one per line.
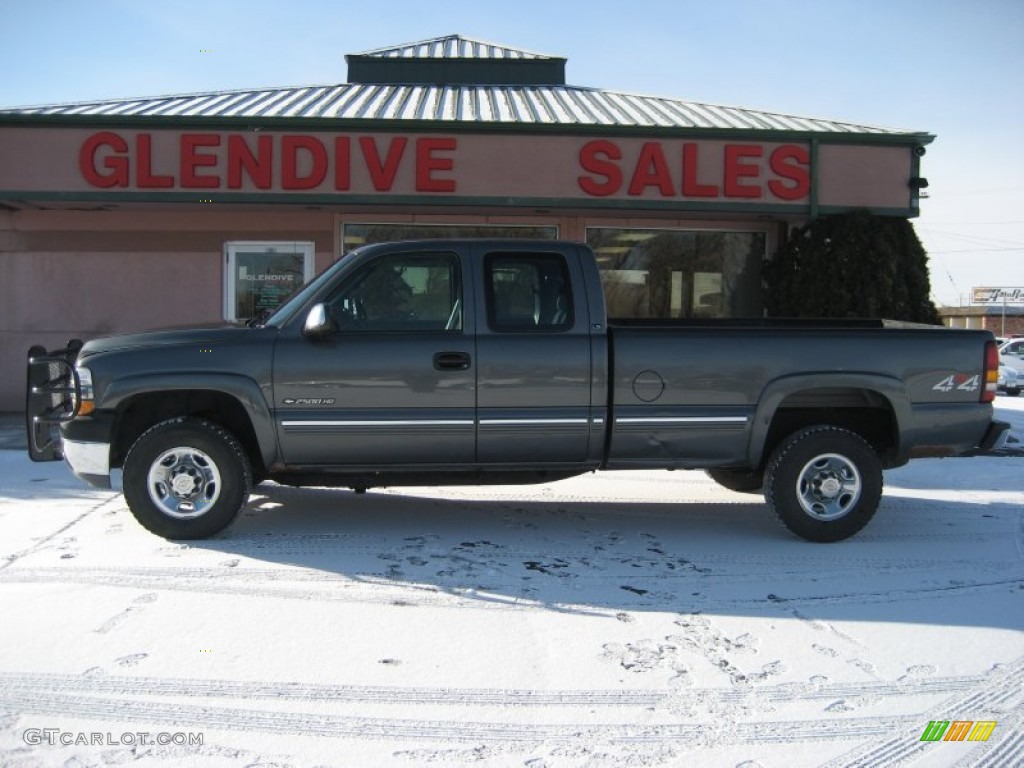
x=454, y=201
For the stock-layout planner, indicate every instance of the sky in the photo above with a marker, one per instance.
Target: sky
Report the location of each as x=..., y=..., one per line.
x=954, y=69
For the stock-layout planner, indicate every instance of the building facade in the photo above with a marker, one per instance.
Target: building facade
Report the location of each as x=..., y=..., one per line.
x=133, y=214
x=1001, y=320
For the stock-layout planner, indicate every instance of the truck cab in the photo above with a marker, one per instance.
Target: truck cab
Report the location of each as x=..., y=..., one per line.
x=451, y=354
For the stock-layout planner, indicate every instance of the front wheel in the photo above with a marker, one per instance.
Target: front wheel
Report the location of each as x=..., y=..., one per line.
x=824, y=483
x=1013, y=392
x=186, y=478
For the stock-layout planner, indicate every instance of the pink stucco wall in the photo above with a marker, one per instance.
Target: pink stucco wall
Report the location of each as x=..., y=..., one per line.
x=82, y=274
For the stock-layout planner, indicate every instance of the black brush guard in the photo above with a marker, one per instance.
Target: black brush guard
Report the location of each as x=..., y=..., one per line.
x=52, y=396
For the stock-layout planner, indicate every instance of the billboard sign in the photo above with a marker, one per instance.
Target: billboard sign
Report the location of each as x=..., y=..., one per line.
x=997, y=295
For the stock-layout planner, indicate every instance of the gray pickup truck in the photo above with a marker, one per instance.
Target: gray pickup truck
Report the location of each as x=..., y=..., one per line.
x=483, y=361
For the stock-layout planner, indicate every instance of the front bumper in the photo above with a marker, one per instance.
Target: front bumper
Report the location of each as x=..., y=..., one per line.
x=89, y=461
x=86, y=443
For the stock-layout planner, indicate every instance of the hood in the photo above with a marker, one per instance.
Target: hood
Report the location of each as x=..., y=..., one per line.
x=167, y=337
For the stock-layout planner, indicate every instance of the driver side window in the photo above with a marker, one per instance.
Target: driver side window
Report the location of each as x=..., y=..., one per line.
x=402, y=292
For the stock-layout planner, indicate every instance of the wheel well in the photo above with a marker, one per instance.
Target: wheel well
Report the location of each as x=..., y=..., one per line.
x=143, y=411
x=862, y=411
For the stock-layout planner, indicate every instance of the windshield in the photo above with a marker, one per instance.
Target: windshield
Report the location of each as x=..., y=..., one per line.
x=293, y=303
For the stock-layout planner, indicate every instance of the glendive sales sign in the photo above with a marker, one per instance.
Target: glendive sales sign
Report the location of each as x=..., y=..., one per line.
x=486, y=168
x=235, y=161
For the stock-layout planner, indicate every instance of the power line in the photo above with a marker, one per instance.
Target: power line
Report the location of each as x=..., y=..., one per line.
x=982, y=223
x=972, y=238
x=982, y=250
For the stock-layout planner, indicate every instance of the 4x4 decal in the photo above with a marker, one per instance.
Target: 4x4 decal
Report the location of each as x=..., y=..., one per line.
x=964, y=382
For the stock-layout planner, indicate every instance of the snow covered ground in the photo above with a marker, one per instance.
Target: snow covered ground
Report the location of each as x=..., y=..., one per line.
x=634, y=619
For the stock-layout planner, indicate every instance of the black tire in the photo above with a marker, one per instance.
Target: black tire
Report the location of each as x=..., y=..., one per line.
x=739, y=480
x=1013, y=392
x=178, y=452
x=824, y=483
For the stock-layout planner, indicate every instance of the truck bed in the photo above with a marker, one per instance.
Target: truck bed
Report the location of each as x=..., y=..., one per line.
x=703, y=393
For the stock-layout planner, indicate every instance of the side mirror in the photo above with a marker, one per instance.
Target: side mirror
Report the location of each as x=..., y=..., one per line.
x=318, y=323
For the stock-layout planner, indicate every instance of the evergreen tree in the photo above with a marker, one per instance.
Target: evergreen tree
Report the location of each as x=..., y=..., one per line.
x=851, y=265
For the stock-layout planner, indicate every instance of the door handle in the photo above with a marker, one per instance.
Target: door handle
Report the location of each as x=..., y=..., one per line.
x=452, y=361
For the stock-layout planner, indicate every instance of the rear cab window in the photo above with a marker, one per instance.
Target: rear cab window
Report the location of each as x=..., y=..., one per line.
x=528, y=293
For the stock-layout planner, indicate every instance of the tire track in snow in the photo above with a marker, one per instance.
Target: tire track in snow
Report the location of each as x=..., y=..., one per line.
x=43, y=543
x=482, y=697
x=353, y=727
x=377, y=588
x=283, y=584
x=1005, y=688
x=998, y=753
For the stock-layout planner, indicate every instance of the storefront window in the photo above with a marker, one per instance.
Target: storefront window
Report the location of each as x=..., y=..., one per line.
x=260, y=276
x=355, y=235
x=655, y=273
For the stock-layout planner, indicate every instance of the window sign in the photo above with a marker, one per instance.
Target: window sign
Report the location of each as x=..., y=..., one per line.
x=260, y=276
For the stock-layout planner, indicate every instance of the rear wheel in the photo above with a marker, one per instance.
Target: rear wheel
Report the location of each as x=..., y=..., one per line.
x=739, y=480
x=824, y=483
x=186, y=479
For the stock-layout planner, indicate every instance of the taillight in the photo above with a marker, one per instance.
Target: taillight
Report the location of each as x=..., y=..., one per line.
x=988, y=392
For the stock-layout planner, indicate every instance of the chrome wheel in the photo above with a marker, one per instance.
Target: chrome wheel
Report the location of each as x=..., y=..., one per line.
x=184, y=482
x=824, y=482
x=828, y=487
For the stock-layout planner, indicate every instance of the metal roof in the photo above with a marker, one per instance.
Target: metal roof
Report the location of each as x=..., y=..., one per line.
x=454, y=46
x=441, y=88
x=480, y=105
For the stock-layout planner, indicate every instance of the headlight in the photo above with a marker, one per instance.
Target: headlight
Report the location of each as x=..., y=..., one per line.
x=86, y=406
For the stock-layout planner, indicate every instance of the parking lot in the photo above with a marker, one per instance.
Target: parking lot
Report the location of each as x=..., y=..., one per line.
x=642, y=619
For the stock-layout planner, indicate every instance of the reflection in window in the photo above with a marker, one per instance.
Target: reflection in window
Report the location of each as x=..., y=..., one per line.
x=401, y=292
x=355, y=235
x=260, y=276
x=679, y=274
x=528, y=292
